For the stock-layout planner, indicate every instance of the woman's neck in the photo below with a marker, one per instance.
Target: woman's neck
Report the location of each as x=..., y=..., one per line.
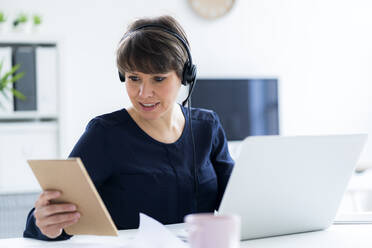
x=166, y=128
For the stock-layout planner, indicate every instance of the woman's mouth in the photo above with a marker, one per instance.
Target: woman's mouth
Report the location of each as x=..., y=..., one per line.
x=148, y=106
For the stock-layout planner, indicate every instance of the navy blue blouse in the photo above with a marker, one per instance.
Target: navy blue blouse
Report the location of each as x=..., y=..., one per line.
x=135, y=173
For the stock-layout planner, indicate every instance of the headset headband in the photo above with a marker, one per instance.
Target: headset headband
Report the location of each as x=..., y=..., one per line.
x=165, y=29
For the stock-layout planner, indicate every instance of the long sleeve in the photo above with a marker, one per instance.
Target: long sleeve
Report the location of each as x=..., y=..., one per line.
x=222, y=162
x=91, y=148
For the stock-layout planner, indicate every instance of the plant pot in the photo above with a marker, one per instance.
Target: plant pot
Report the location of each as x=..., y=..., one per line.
x=22, y=28
x=36, y=29
x=3, y=27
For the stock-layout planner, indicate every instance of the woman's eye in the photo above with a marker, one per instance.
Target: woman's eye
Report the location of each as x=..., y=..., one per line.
x=133, y=78
x=159, y=79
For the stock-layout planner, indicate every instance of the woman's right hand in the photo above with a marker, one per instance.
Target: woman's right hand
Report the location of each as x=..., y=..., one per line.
x=52, y=218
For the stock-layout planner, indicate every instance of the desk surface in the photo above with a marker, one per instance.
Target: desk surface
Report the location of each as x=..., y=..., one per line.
x=339, y=236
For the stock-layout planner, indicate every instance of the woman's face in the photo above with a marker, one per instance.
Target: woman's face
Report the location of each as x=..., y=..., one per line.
x=152, y=95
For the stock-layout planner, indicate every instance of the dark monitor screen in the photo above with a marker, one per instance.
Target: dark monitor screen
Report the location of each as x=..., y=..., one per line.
x=246, y=107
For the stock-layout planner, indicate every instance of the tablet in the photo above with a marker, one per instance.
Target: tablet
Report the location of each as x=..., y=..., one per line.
x=71, y=178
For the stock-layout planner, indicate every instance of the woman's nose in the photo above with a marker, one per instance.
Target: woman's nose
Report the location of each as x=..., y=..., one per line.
x=146, y=90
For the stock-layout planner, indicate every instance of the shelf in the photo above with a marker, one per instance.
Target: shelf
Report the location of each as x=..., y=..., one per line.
x=22, y=126
x=19, y=191
x=25, y=115
x=27, y=38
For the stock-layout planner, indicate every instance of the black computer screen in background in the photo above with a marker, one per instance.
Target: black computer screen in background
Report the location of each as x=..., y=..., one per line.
x=246, y=107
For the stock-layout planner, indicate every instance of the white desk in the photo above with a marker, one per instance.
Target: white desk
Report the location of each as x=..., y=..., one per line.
x=340, y=236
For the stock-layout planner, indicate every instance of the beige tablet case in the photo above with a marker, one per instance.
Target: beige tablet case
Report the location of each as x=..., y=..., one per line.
x=71, y=178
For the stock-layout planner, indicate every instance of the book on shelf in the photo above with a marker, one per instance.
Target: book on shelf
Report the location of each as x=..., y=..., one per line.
x=25, y=57
x=46, y=79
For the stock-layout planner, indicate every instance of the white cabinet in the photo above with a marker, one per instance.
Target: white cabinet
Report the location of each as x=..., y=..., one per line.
x=20, y=142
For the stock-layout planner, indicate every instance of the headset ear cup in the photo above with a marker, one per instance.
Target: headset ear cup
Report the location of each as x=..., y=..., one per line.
x=121, y=77
x=184, y=73
x=192, y=73
x=189, y=73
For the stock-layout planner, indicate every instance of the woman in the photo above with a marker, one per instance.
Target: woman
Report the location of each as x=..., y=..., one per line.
x=143, y=158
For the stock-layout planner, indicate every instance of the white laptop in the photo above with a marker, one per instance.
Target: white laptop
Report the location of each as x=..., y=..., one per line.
x=283, y=185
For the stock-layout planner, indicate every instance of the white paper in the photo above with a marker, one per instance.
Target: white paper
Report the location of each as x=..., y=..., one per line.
x=57, y=244
x=150, y=234
x=153, y=234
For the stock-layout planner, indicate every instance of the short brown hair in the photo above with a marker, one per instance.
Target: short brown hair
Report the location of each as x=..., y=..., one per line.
x=151, y=50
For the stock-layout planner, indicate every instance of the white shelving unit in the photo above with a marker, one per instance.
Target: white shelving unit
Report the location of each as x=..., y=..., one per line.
x=30, y=134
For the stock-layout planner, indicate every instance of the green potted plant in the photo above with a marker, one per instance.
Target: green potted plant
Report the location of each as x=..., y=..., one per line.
x=6, y=81
x=2, y=21
x=20, y=22
x=36, y=22
x=37, y=19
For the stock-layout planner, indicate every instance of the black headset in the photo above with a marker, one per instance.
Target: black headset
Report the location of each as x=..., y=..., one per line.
x=189, y=69
x=188, y=79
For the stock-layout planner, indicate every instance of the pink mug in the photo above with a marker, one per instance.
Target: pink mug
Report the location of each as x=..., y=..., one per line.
x=206, y=230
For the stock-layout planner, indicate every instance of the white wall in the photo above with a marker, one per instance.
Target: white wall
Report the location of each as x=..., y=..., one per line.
x=320, y=50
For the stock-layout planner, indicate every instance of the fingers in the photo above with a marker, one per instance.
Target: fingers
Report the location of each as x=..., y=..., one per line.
x=52, y=218
x=48, y=210
x=57, y=219
x=52, y=226
x=46, y=196
x=64, y=224
x=53, y=231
